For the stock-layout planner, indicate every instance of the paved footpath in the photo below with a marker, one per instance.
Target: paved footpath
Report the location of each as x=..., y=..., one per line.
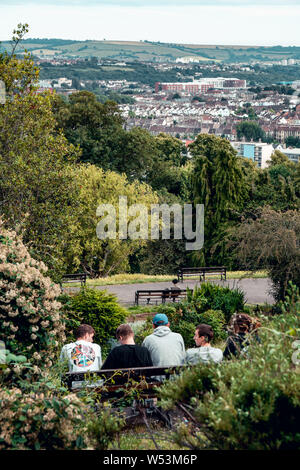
x=256, y=290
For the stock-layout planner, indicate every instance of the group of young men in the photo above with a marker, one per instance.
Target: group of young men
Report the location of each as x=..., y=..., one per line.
x=162, y=348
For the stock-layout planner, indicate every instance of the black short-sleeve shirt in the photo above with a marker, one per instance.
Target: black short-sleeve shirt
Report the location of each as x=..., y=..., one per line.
x=128, y=355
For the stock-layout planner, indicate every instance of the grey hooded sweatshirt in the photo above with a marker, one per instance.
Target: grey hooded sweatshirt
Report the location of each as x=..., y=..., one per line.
x=166, y=348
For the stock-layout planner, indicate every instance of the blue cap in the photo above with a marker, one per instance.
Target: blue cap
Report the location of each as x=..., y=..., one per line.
x=160, y=319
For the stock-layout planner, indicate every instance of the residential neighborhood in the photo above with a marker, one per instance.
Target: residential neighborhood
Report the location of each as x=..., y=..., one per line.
x=211, y=98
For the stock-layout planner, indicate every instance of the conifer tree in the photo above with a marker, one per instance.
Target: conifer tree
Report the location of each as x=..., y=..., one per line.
x=218, y=183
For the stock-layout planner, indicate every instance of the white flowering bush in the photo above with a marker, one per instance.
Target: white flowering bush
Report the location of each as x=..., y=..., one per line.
x=33, y=421
x=30, y=319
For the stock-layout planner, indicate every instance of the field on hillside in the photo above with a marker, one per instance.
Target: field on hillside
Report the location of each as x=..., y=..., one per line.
x=149, y=51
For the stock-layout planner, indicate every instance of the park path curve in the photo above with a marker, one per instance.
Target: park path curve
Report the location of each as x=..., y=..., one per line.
x=257, y=291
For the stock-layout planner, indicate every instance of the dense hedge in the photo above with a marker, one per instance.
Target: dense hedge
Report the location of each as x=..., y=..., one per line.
x=99, y=309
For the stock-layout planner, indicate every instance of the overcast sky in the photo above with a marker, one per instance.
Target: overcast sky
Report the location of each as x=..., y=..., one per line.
x=244, y=22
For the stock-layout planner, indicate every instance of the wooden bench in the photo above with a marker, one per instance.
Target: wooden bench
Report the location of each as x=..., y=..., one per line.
x=117, y=382
x=114, y=379
x=66, y=278
x=162, y=294
x=202, y=272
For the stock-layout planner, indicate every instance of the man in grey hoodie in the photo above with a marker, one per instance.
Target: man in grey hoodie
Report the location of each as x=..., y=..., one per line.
x=166, y=348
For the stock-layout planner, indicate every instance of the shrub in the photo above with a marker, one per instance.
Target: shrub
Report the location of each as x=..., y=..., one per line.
x=99, y=309
x=291, y=303
x=14, y=367
x=186, y=318
x=187, y=331
x=216, y=319
x=249, y=403
x=183, y=320
x=167, y=308
x=30, y=319
x=102, y=429
x=145, y=330
x=41, y=420
x=211, y=296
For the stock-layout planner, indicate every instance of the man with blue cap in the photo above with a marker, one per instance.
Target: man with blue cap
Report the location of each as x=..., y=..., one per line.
x=166, y=348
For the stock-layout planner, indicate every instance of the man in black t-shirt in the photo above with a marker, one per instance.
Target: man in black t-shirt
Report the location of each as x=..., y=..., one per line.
x=128, y=354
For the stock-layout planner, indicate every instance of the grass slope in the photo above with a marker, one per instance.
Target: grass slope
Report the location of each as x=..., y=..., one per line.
x=149, y=51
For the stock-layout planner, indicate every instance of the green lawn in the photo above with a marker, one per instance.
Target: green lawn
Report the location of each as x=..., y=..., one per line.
x=144, y=278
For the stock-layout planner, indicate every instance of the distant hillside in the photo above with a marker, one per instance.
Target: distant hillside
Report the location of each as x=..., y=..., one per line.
x=154, y=51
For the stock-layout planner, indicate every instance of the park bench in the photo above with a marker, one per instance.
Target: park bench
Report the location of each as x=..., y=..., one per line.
x=161, y=294
x=116, y=383
x=74, y=278
x=202, y=272
x=113, y=378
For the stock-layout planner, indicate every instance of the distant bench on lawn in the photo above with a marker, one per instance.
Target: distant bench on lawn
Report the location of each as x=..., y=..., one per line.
x=201, y=272
x=81, y=277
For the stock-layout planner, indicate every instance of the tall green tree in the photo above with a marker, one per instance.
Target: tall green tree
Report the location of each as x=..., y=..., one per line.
x=218, y=183
x=276, y=186
x=94, y=126
x=135, y=154
x=170, y=149
x=272, y=241
x=84, y=250
x=250, y=130
x=37, y=194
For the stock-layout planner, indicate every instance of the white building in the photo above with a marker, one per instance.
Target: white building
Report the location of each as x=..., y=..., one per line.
x=64, y=81
x=45, y=84
x=188, y=59
x=292, y=154
x=258, y=152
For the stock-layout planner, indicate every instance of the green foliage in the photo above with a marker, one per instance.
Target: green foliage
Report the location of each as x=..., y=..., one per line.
x=18, y=75
x=72, y=321
x=37, y=193
x=161, y=257
x=98, y=129
x=291, y=303
x=278, y=158
x=84, y=251
x=116, y=97
x=209, y=304
x=145, y=330
x=276, y=186
x=293, y=141
x=104, y=427
x=92, y=125
x=251, y=403
x=186, y=317
x=99, y=309
x=135, y=157
x=211, y=296
x=272, y=240
x=250, y=130
x=218, y=183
